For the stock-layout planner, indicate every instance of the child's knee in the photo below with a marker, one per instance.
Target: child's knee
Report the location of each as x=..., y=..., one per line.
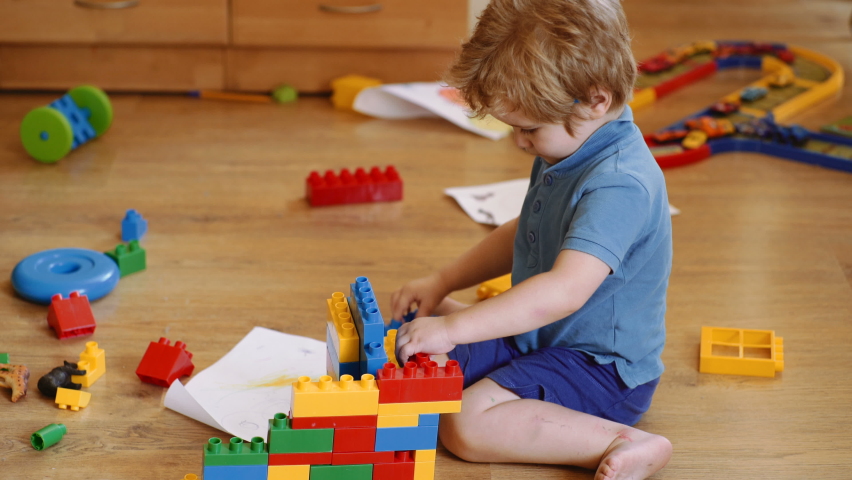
x=458, y=435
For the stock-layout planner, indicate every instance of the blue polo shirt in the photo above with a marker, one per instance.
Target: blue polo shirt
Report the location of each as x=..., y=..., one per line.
x=607, y=199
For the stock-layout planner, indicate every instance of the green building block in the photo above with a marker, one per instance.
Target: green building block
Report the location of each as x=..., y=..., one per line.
x=4, y=358
x=236, y=454
x=341, y=472
x=284, y=439
x=130, y=258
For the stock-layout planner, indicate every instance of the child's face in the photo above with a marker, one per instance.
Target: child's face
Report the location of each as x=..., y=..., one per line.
x=549, y=141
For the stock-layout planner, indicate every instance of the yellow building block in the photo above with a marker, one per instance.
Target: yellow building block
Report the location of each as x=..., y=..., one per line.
x=424, y=455
x=345, y=336
x=494, y=287
x=345, y=89
x=643, y=98
x=424, y=470
x=289, y=472
x=328, y=398
x=69, y=399
x=398, y=420
x=390, y=347
x=419, y=407
x=93, y=361
x=736, y=351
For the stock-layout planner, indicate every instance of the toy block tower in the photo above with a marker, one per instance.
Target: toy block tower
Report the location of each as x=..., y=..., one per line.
x=240, y=461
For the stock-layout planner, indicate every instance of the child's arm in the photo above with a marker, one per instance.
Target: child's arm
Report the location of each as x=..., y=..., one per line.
x=490, y=258
x=534, y=303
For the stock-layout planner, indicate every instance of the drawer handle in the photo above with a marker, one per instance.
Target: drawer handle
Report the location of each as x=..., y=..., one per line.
x=111, y=5
x=362, y=9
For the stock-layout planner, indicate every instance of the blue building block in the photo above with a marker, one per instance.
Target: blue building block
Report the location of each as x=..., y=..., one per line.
x=428, y=419
x=236, y=472
x=406, y=438
x=393, y=325
x=78, y=117
x=333, y=365
x=133, y=227
x=373, y=358
x=365, y=312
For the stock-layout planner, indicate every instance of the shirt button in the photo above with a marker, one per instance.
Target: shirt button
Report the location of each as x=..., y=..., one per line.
x=531, y=237
x=548, y=180
x=536, y=206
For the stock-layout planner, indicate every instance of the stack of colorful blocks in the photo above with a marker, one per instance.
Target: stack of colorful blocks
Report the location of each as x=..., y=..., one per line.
x=381, y=427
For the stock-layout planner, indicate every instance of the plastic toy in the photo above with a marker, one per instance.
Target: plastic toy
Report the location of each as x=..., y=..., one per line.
x=232, y=96
x=93, y=362
x=71, y=317
x=285, y=94
x=345, y=89
x=735, y=351
x=332, y=189
x=236, y=453
x=42, y=275
x=289, y=472
x=74, y=400
x=841, y=127
x=133, y=226
x=494, y=287
x=49, y=133
x=4, y=358
x=48, y=436
x=190, y=476
x=163, y=363
x=130, y=258
x=695, y=139
x=15, y=377
x=59, y=377
x=794, y=80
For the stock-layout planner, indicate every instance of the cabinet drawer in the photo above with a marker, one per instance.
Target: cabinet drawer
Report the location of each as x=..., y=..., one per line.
x=313, y=69
x=349, y=23
x=112, y=68
x=151, y=21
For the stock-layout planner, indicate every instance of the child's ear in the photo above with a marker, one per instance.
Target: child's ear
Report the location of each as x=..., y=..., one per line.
x=601, y=100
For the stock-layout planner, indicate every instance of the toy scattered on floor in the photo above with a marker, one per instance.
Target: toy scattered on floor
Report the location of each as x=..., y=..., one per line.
x=494, y=287
x=383, y=426
x=794, y=80
x=59, y=377
x=71, y=317
x=332, y=189
x=74, y=400
x=285, y=94
x=15, y=377
x=164, y=363
x=93, y=362
x=133, y=226
x=4, y=358
x=49, y=133
x=40, y=276
x=737, y=351
x=190, y=476
x=48, y=436
x=130, y=258
x=345, y=89
x=842, y=127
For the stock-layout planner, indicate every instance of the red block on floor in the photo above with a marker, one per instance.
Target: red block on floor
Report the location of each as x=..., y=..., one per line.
x=164, y=363
x=72, y=316
x=355, y=440
x=402, y=468
x=332, y=189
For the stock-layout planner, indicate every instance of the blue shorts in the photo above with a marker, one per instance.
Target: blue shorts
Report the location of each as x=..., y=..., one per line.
x=558, y=375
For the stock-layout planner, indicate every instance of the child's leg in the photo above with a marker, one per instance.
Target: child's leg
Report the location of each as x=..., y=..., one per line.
x=495, y=425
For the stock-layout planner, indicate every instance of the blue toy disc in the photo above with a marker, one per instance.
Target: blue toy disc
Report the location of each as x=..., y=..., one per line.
x=42, y=275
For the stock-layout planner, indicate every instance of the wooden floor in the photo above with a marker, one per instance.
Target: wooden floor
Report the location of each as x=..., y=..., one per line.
x=762, y=243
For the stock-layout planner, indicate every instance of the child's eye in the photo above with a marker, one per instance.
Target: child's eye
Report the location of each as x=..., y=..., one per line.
x=528, y=131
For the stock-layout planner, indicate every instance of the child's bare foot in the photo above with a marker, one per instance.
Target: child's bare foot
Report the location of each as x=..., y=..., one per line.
x=634, y=455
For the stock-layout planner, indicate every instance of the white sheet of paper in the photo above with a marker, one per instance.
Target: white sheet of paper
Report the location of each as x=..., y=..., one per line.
x=497, y=203
x=243, y=390
x=425, y=99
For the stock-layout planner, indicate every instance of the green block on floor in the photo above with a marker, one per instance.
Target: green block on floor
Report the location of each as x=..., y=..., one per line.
x=130, y=258
x=235, y=453
x=341, y=472
x=284, y=439
x=4, y=358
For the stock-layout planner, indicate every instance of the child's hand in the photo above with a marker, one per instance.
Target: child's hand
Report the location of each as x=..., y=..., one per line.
x=426, y=292
x=423, y=335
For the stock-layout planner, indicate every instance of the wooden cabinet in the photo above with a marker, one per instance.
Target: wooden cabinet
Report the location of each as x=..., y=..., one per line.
x=252, y=45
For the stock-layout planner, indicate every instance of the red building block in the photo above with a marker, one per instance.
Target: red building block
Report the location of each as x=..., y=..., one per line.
x=402, y=468
x=361, y=439
x=331, y=189
x=322, y=458
x=164, y=363
x=334, y=422
x=360, y=458
x=427, y=383
x=72, y=316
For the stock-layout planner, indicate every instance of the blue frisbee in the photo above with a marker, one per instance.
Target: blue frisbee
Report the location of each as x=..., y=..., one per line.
x=42, y=275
